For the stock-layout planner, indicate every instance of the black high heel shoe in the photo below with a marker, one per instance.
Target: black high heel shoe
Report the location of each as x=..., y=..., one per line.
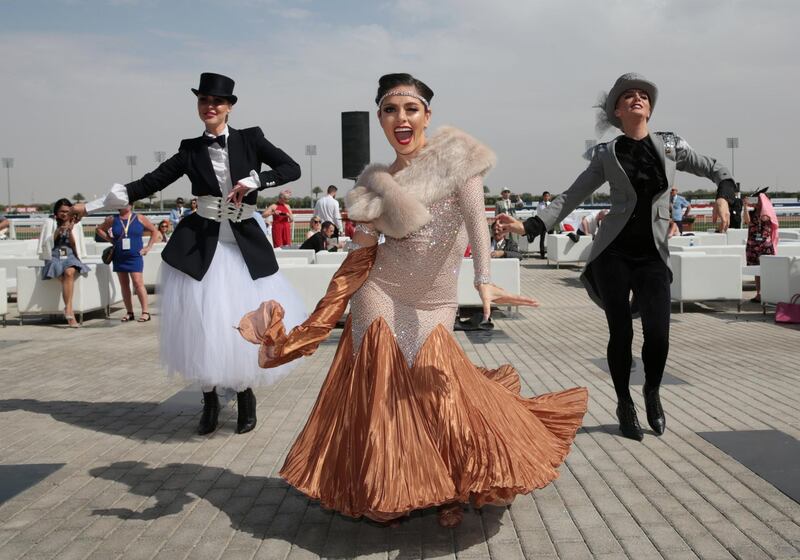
x=208, y=420
x=246, y=403
x=655, y=414
x=628, y=422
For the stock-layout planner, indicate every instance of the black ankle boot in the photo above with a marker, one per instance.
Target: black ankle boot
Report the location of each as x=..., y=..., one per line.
x=246, y=403
x=628, y=422
x=655, y=414
x=208, y=420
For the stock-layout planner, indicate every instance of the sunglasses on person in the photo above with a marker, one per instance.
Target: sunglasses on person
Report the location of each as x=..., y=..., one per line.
x=316, y=222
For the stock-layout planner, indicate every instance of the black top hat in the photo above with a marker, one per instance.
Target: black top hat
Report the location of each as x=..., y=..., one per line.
x=216, y=85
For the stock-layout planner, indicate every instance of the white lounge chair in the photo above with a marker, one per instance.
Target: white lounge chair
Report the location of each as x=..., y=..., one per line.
x=780, y=278
x=702, y=277
x=561, y=249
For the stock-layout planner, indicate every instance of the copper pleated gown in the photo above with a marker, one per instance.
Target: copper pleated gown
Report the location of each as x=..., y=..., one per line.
x=404, y=420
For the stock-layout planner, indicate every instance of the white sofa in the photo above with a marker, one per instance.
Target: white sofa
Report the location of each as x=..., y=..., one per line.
x=788, y=249
x=710, y=238
x=790, y=235
x=504, y=272
x=18, y=248
x=698, y=276
x=737, y=250
x=698, y=239
x=152, y=267
x=310, y=280
x=10, y=265
x=560, y=249
x=96, y=290
x=288, y=253
x=292, y=260
x=93, y=248
x=325, y=257
x=3, y=295
x=748, y=273
x=780, y=278
x=736, y=236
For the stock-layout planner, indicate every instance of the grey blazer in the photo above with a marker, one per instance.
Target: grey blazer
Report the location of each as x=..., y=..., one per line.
x=675, y=153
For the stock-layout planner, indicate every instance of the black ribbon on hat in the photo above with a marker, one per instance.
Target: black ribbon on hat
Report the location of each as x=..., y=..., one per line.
x=215, y=139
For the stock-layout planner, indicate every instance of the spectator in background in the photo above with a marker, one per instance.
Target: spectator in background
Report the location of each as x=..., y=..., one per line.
x=762, y=234
x=737, y=209
x=319, y=241
x=163, y=231
x=4, y=225
x=349, y=226
x=503, y=247
x=61, y=247
x=746, y=211
x=506, y=206
x=314, y=226
x=543, y=204
x=680, y=208
x=589, y=225
x=672, y=230
x=327, y=208
x=282, y=219
x=192, y=206
x=177, y=213
x=125, y=231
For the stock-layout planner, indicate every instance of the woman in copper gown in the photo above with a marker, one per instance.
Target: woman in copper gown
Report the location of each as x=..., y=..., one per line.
x=404, y=420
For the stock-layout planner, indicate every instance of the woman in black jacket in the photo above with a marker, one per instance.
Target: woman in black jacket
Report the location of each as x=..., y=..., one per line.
x=218, y=263
x=630, y=252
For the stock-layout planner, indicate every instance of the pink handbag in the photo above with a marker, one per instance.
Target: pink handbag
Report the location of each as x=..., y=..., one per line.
x=788, y=312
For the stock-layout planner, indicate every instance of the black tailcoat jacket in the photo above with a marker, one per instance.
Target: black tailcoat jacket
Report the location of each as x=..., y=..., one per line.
x=191, y=247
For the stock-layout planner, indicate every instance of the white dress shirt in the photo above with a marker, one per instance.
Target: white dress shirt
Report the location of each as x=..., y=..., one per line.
x=327, y=208
x=118, y=197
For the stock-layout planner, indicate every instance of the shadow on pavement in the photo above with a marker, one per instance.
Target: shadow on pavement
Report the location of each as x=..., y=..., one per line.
x=268, y=508
x=136, y=420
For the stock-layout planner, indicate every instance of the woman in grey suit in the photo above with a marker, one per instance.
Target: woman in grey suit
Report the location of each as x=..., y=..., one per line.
x=630, y=252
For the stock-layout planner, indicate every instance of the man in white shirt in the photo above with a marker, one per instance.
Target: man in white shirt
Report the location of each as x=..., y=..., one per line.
x=507, y=206
x=589, y=225
x=327, y=208
x=544, y=203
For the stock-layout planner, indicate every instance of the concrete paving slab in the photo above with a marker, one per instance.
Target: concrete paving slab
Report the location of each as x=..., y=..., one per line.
x=136, y=481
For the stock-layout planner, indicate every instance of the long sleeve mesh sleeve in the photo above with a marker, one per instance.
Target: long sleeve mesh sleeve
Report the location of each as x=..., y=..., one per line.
x=470, y=200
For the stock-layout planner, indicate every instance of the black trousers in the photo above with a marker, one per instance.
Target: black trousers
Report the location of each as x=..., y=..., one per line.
x=541, y=242
x=616, y=275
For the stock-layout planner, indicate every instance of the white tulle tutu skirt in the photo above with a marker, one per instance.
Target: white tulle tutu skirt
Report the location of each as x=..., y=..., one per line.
x=198, y=338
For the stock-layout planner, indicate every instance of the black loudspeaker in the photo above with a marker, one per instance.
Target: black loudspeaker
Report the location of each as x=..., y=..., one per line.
x=355, y=143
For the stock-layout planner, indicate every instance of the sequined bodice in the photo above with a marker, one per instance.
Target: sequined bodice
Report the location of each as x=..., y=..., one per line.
x=413, y=283
x=421, y=270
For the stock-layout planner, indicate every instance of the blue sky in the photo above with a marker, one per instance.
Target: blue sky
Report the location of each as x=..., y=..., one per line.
x=520, y=76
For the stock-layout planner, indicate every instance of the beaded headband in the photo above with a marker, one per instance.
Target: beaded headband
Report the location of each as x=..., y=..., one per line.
x=406, y=94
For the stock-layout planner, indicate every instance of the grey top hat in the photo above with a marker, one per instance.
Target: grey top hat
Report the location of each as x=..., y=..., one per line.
x=625, y=82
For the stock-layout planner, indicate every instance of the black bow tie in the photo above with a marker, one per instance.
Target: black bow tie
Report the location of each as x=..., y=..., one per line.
x=218, y=139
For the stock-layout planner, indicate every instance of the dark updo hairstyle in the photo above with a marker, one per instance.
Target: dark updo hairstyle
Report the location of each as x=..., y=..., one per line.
x=61, y=202
x=389, y=82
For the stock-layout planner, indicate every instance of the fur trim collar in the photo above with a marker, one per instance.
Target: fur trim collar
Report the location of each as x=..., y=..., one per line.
x=398, y=205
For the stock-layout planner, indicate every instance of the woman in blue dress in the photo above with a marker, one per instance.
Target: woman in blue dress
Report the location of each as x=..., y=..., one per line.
x=126, y=231
x=58, y=247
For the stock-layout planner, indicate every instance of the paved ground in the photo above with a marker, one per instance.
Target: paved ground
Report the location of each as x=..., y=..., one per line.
x=111, y=474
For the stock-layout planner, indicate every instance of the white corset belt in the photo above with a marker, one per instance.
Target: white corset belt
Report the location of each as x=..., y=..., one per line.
x=215, y=208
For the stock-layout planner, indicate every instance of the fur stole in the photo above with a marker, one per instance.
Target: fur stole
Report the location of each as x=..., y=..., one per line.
x=398, y=205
